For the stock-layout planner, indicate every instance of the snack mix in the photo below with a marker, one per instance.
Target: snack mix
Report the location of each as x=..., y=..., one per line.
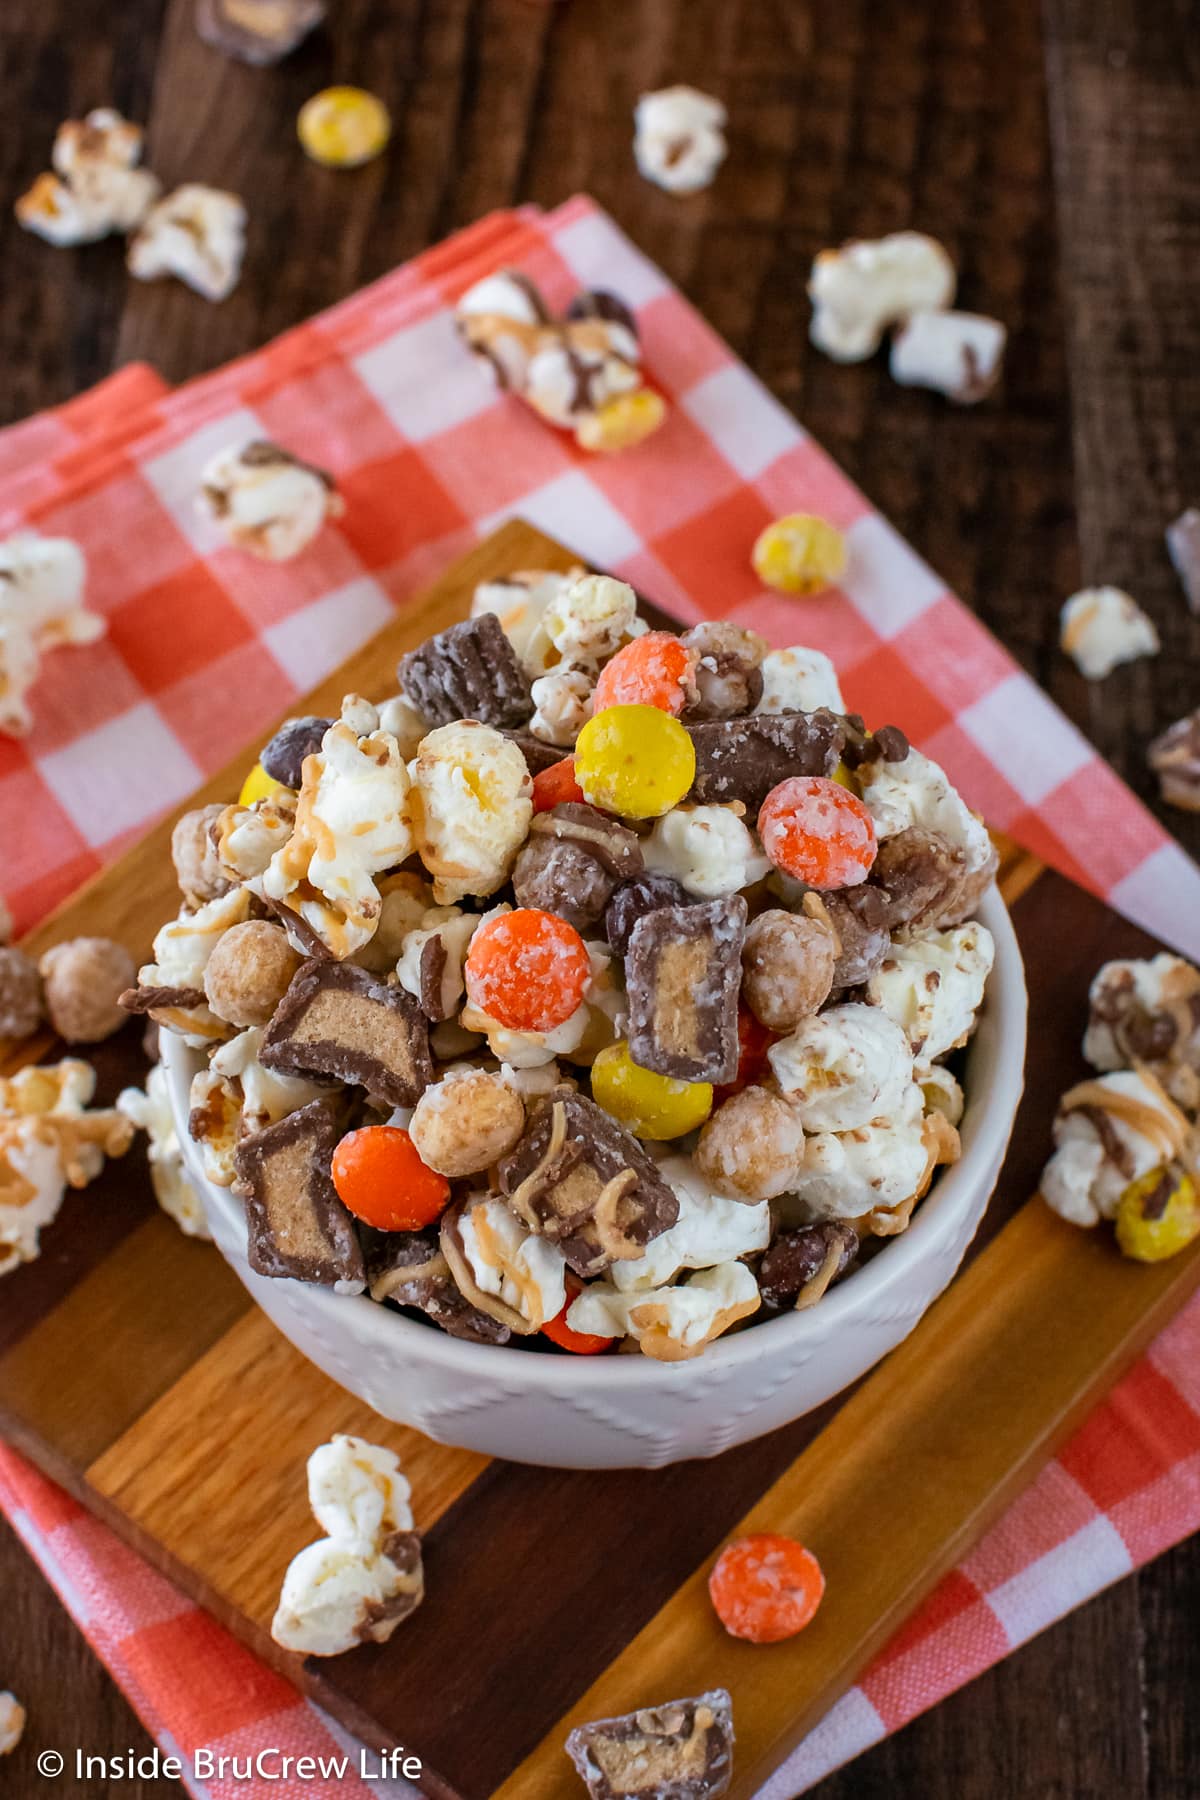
x=41, y=607
x=680, y=1751
x=628, y=1029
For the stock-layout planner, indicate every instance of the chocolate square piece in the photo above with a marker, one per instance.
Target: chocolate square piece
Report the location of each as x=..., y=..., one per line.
x=581, y=1180
x=297, y=1225
x=680, y=1751
x=572, y=861
x=683, y=970
x=469, y=671
x=336, y=1019
x=743, y=759
x=408, y=1268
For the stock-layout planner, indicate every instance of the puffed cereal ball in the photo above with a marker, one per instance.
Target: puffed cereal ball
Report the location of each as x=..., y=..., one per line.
x=751, y=1146
x=194, y=855
x=466, y=1123
x=20, y=993
x=787, y=967
x=249, y=972
x=84, y=980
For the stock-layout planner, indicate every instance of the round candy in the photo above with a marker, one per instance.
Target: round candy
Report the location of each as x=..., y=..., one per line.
x=1158, y=1215
x=649, y=1105
x=579, y=1343
x=622, y=421
x=258, y=785
x=636, y=761
x=554, y=786
x=766, y=1588
x=380, y=1179
x=817, y=832
x=654, y=670
x=527, y=969
x=343, y=127
x=800, y=554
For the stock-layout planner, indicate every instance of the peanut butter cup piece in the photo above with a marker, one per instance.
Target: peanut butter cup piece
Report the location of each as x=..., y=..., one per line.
x=297, y=1226
x=338, y=1020
x=743, y=759
x=469, y=671
x=680, y=1751
x=683, y=970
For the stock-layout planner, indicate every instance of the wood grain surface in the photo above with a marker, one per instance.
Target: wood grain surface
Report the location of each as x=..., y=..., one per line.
x=847, y=117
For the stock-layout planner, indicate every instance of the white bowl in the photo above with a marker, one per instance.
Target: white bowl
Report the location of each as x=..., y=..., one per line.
x=614, y=1412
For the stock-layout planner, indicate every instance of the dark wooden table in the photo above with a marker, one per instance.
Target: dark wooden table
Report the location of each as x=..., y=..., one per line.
x=1056, y=153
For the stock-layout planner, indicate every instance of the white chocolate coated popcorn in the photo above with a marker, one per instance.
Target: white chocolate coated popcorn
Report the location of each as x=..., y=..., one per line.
x=215, y=1123
x=32, y=1188
x=562, y=705
x=181, y=952
x=955, y=353
x=197, y=234
x=577, y=374
x=49, y=1141
x=848, y=1174
x=151, y=1111
x=334, y=1598
x=471, y=807
x=41, y=607
x=917, y=791
x=843, y=1068
x=1148, y=1010
x=931, y=984
x=798, y=680
x=591, y=618
x=670, y=1323
x=96, y=188
x=1093, y=1164
x=455, y=928
x=247, y=837
x=520, y=603
x=506, y=1260
x=711, y=1229
x=265, y=1096
x=1102, y=627
x=503, y=314
x=679, y=138
x=943, y=1093
x=357, y=1491
x=869, y=284
x=708, y=849
x=265, y=500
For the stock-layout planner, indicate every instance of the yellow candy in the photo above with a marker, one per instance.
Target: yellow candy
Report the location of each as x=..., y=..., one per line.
x=649, y=1105
x=1158, y=1215
x=800, y=554
x=844, y=778
x=258, y=785
x=622, y=422
x=634, y=760
x=343, y=127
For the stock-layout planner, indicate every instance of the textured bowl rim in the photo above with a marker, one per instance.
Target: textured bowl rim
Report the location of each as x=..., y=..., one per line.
x=996, y=1063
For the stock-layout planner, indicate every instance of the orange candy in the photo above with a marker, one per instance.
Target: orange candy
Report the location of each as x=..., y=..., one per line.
x=527, y=969
x=380, y=1179
x=655, y=670
x=554, y=786
x=765, y=1588
x=817, y=831
x=580, y=1343
x=754, y=1040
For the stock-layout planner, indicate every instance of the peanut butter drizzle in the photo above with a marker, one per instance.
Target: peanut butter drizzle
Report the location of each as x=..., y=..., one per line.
x=1162, y=1124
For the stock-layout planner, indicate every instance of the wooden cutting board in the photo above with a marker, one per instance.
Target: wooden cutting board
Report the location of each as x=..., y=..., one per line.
x=135, y=1370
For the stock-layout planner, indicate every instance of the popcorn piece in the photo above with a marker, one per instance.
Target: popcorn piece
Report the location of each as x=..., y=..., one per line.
x=868, y=285
x=83, y=982
x=267, y=502
x=41, y=607
x=679, y=138
x=296, y=1224
x=843, y=1067
x=752, y=1146
x=430, y=967
x=265, y=1095
x=578, y=370
x=1148, y=1012
x=343, y=127
x=943, y=1093
x=20, y=993
x=800, y=554
x=873, y=1169
x=196, y=233
x=352, y=824
x=334, y=1598
x=357, y=1491
x=528, y=1049
x=471, y=808
x=97, y=188
x=466, y=1122
x=562, y=703
x=707, y=849
x=1102, y=627
x=623, y=422
x=958, y=354
x=49, y=1141
x=680, y=1751
x=12, y=1723
x=520, y=602
x=635, y=898
x=916, y=792
x=215, y=1124
x=799, y=680
x=728, y=677
x=1183, y=547
x=931, y=984
x=171, y=988
x=584, y=1183
x=671, y=1324
x=247, y=837
x=802, y=1265
x=788, y=961
x=409, y=1269
x=249, y=972
x=502, y=1267
x=194, y=854
x=1109, y=1132
x=337, y=1020
x=682, y=971
x=500, y=319
x=591, y=618
x=150, y=1110
x=1175, y=758
x=469, y=671
x=710, y=1229
x=573, y=861
x=258, y=32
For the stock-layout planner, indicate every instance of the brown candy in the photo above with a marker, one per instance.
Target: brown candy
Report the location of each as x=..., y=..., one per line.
x=743, y=759
x=862, y=746
x=800, y=1265
x=859, y=915
x=469, y=671
x=683, y=969
x=538, y=754
x=84, y=980
x=581, y=1180
x=925, y=880
x=283, y=756
x=258, y=32
x=1175, y=758
x=297, y=1225
x=338, y=1020
x=633, y=900
x=728, y=680
x=574, y=859
x=408, y=1268
x=248, y=973
x=466, y=1122
x=788, y=961
x=20, y=993
x=680, y=1751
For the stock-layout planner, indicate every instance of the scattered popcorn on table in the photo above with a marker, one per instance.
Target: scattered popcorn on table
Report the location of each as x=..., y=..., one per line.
x=682, y=1750
x=1174, y=756
x=1148, y=1012
x=1111, y=1131
x=1183, y=547
x=149, y=1110
x=861, y=290
x=679, y=138
x=1102, y=627
x=955, y=353
x=259, y=32
x=97, y=188
x=83, y=981
x=41, y=607
x=343, y=127
x=49, y=1141
x=800, y=554
x=267, y=501
x=12, y=1723
x=197, y=234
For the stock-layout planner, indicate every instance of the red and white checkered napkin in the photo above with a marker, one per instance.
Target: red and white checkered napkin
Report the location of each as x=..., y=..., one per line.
x=205, y=646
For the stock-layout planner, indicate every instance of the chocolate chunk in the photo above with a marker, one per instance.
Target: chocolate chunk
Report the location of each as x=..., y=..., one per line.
x=403, y=1551
x=469, y=671
x=574, y=859
x=683, y=970
x=283, y=757
x=800, y=1262
x=862, y=746
x=728, y=679
x=1175, y=758
x=336, y=1019
x=598, y=303
x=743, y=759
x=538, y=755
x=633, y=900
x=297, y=1225
x=680, y=1751
x=859, y=915
x=919, y=874
x=259, y=32
x=408, y=1268
x=584, y=1182
x=147, y=999
x=430, y=973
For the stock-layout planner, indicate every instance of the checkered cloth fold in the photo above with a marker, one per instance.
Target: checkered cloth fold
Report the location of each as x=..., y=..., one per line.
x=205, y=646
